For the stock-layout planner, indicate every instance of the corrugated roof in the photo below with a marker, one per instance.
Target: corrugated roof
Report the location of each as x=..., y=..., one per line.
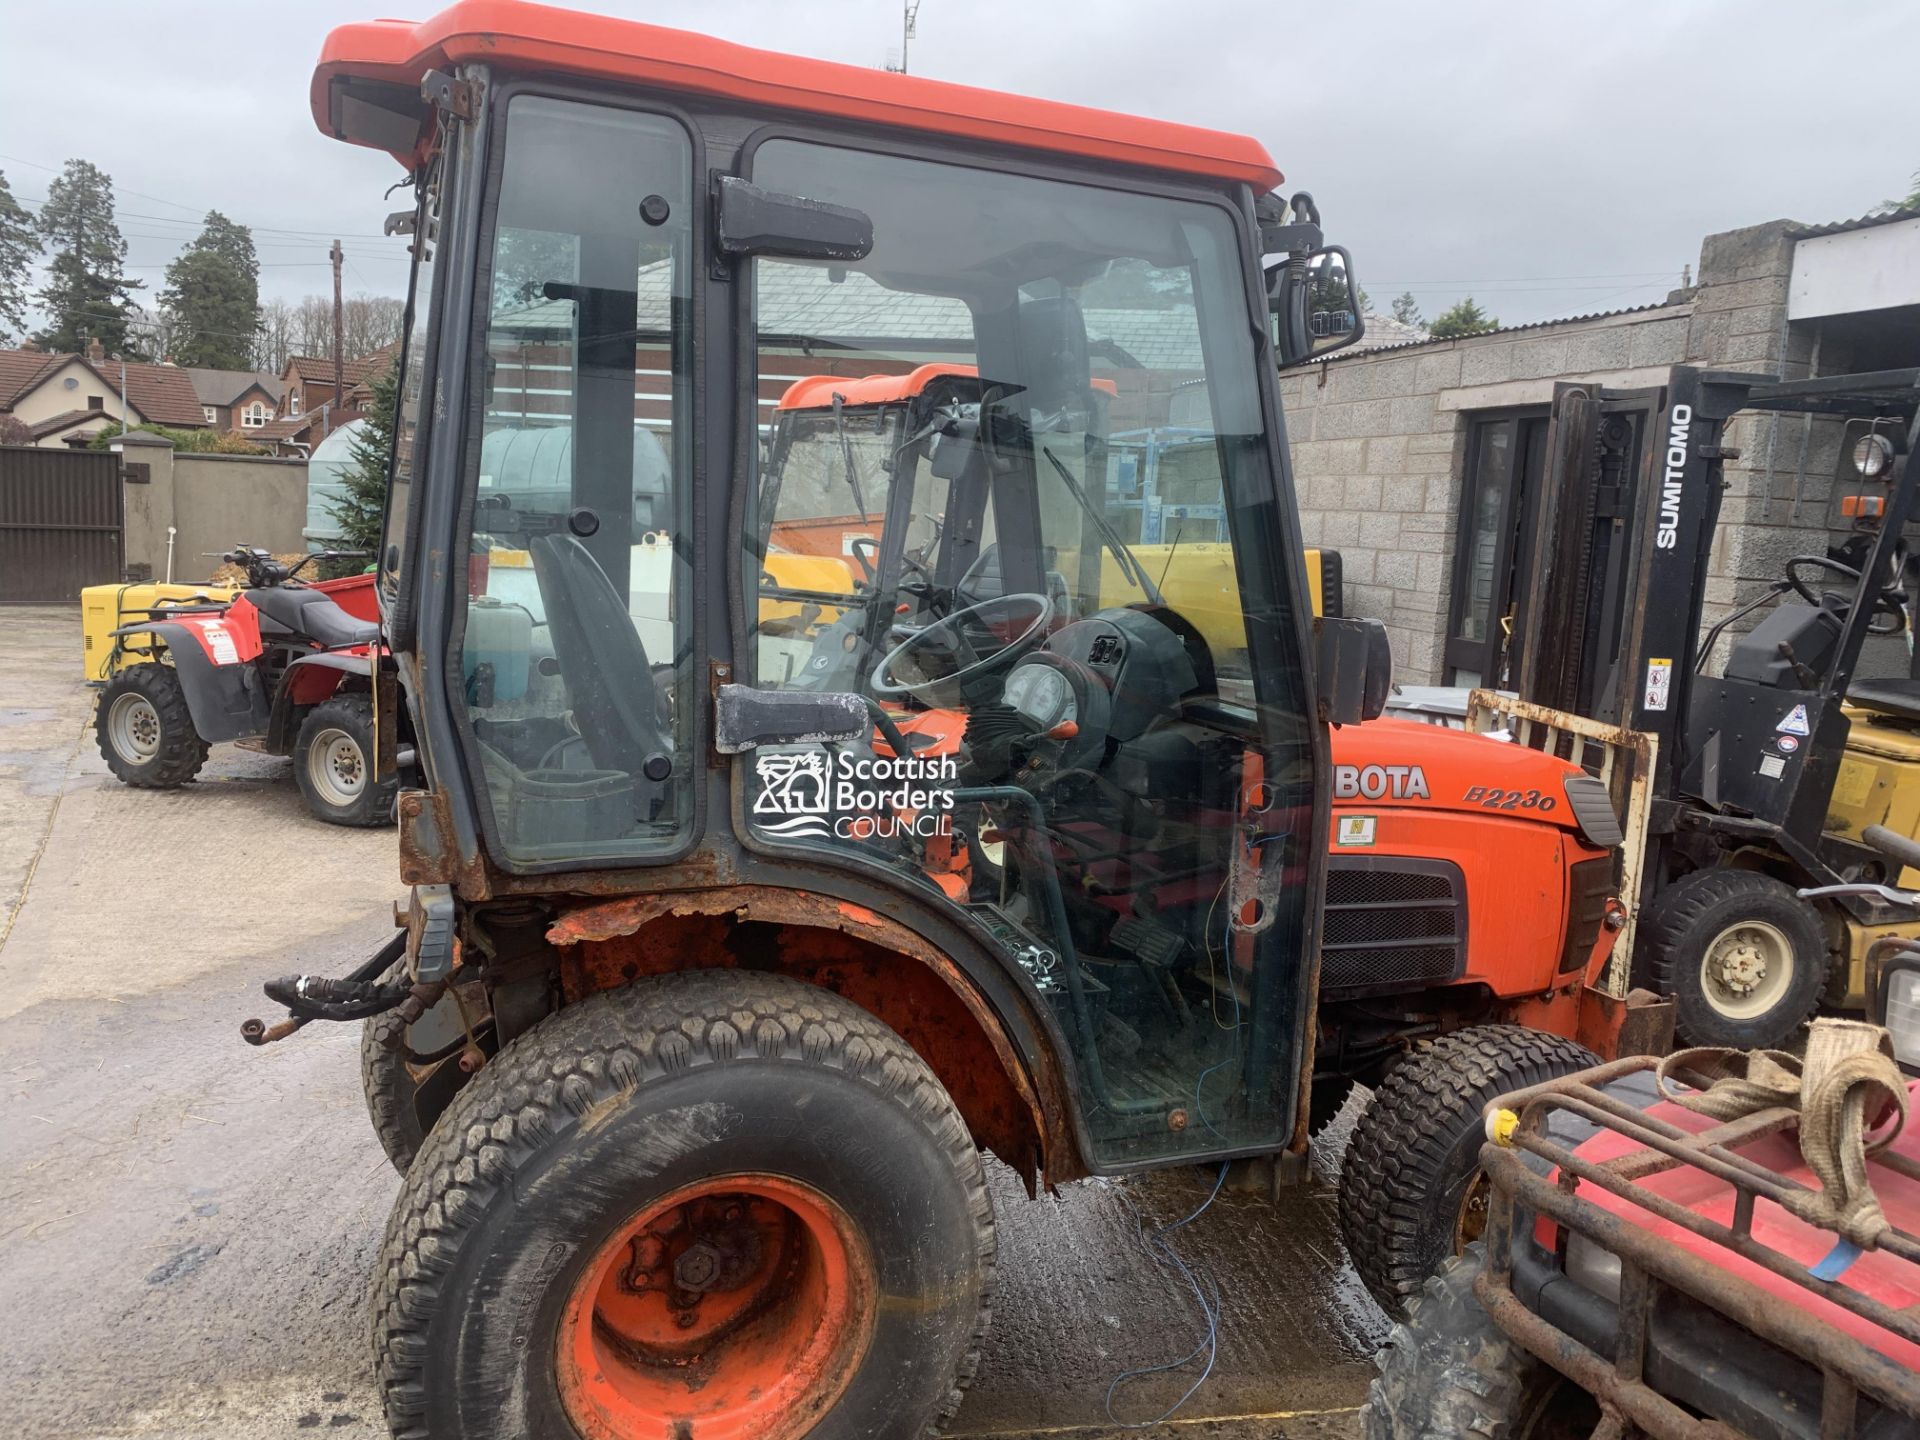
x=805, y=302
x=1365, y=349
x=1865, y=222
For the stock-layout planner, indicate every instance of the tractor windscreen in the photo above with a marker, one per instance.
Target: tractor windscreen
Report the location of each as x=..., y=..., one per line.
x=1016, y=491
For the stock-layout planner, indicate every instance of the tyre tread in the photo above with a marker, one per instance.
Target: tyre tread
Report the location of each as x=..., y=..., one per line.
x=1686, y=905
x=615, y=1041
x=1404, y=1136
x=184, y=753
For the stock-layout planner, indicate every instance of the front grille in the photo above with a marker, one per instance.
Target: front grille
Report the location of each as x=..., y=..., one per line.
x=1392, y=923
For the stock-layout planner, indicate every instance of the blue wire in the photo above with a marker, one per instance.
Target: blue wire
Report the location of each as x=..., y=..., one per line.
x=1206, y=1296
x=1205, y=1288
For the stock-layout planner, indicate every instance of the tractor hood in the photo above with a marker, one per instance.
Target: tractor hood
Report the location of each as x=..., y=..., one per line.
x=1402, y=764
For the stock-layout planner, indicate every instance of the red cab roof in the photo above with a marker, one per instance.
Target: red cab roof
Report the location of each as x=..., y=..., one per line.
x=539, y=38
x=816, y=392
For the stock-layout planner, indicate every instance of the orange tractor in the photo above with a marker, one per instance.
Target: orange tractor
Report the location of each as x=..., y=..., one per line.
x=768, y=870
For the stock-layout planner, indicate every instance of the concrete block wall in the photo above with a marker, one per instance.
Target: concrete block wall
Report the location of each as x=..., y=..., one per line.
x=1378, y=442
x=213, y=502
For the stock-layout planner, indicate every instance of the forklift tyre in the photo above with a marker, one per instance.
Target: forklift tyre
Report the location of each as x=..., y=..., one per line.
x=711, y=1202
x=145, y=730
x=1766, y=947
x=333, y=763
x=390, y=1088
x=1411, y=1189
x=1448, y=1373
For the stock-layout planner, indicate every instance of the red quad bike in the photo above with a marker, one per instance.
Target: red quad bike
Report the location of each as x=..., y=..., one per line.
x=287, y=665
x=1719, y=1246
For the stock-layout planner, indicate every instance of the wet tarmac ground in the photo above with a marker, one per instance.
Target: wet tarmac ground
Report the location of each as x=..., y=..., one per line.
x=186, y=1224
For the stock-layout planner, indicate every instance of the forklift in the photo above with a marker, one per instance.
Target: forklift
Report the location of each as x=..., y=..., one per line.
x=1765, y=765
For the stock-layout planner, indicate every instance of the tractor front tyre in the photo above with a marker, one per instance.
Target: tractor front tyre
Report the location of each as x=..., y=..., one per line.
x=1448, y=1373
x=712, y=1203
x=1744, y=958
x=1412, y=1191
x=145, y=730
x=333, y=763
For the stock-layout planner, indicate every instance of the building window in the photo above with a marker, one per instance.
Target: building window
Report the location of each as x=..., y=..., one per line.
x=207, y=414
x=293, y=402
x=254, y=416
x=96, y=402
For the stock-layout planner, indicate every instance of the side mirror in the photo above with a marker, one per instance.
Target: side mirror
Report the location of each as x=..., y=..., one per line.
x=1315, y=302
x=752, y=221
x=1355, y=669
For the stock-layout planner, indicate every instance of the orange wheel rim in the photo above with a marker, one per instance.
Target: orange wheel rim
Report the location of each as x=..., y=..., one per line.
x=738, y=1308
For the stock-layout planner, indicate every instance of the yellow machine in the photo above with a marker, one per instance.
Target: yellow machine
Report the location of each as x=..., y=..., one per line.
x=1878, y=784
x=105, y=608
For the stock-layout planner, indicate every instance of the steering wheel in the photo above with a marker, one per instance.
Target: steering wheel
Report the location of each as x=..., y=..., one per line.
x=945, y=659
x=1884, y=602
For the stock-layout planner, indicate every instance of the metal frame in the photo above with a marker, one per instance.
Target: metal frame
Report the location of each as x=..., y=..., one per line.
x=1624, y=760
x=1649, y=1266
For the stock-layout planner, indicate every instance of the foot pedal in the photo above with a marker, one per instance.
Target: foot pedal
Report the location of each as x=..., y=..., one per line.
x=1148, y=940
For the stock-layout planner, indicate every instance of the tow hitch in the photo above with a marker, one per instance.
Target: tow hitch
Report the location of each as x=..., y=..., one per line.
x=317, y=997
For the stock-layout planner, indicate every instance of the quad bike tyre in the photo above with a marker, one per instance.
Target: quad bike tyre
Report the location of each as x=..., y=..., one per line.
x=1411, y=1189
x=1448, y=1373
x=333, y=762
x=1744, y=958
x=390, y=1089
x=145, y=731
x=712, y=1203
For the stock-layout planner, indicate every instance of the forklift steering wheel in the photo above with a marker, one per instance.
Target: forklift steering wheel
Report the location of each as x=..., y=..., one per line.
x=1885, y=602
x=958, y=666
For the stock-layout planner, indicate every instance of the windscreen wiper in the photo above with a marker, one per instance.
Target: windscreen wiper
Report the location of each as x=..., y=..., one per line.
x=1129, y=566
x=846, y=455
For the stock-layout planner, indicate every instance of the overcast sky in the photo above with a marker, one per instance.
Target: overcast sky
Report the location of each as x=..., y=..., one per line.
x=1547, y=159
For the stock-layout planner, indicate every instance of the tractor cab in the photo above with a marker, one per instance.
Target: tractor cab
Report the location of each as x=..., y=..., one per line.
x=899, y=516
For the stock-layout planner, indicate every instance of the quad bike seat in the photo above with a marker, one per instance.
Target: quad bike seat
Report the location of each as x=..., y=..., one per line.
x=1898, y=698
x=314, y=614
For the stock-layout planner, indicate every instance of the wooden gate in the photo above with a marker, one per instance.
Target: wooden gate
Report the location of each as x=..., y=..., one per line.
x=61, y=514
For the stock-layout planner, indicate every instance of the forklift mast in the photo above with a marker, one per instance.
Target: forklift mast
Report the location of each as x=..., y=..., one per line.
x=1626, y=535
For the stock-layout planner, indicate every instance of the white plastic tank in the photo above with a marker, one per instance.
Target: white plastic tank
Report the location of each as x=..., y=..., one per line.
x=326, y=482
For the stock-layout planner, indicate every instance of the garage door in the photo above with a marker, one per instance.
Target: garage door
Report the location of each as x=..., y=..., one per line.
x=60, y=523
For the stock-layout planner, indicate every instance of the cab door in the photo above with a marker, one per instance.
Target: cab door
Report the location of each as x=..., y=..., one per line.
x=1092, y=749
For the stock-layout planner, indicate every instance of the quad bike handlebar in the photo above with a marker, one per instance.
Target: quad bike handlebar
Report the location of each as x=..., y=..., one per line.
x=264, y=571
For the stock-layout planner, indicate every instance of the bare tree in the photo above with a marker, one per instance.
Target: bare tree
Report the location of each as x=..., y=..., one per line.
x=275, y=340
x=371, y=322
x=313, y=326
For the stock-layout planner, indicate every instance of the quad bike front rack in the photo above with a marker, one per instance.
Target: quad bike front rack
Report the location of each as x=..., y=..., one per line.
x=1651, y=1267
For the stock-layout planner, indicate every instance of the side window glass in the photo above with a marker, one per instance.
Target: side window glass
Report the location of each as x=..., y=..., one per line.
x=575, y=661
x=413, y=371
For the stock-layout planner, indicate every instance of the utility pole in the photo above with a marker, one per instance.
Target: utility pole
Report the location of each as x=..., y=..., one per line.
x=339, y=342
x=909, y=17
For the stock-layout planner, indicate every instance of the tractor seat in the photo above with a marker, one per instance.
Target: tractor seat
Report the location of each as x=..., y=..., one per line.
x=314, y=614
x=1898, y=698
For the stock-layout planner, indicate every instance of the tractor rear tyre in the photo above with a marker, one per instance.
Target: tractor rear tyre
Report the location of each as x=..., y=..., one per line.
x=333, y=762
x=1448, y=1373
x=145, y=730
x=712, y=1203
x=1744, y=958
x=390, y=1089
x=1411, y=1189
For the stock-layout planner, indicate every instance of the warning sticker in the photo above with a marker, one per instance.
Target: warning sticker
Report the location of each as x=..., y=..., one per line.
x=1659, y=684
x=1773, y=766
x=1795, y=723
x=1354, y=830
x=220, y=643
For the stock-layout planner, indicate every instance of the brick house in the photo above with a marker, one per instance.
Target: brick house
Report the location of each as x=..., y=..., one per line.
x=242, y=400
x=1415, y=460
x=308, y=410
